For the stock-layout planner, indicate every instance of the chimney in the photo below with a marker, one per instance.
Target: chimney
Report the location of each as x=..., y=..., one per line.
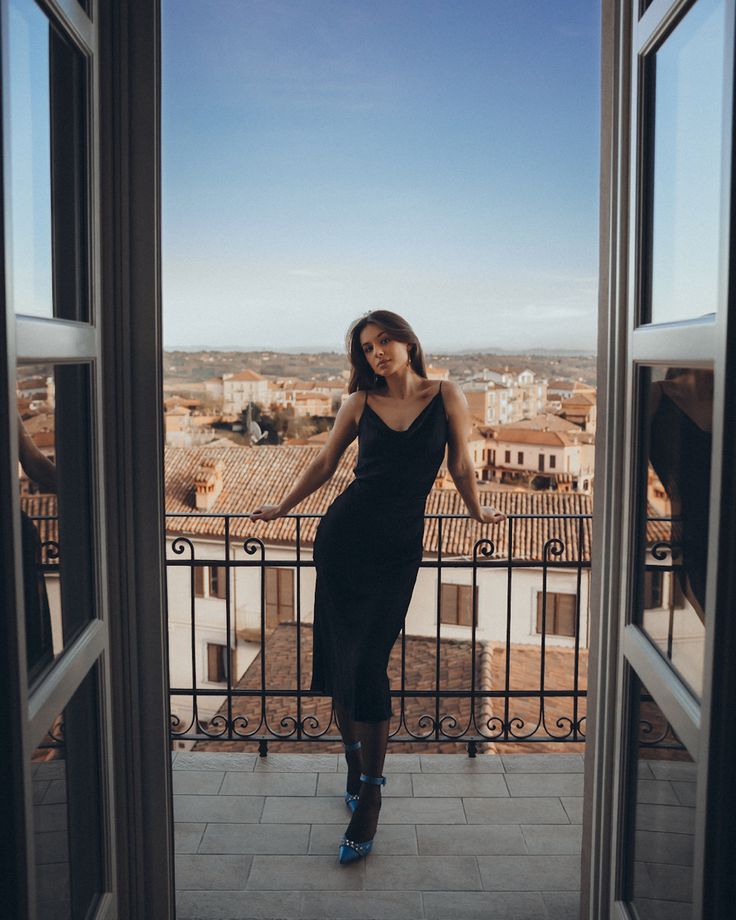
x=207, y=484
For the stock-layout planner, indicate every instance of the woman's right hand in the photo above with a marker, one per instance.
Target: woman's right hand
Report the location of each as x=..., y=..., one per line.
x=266, y=513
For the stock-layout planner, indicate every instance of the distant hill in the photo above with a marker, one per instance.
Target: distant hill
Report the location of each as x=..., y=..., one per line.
x=187, y=366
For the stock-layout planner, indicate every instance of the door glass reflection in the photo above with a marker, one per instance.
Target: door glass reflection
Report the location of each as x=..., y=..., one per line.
x=56, y=488
x=685, y=77
x=673, y=513
x=67, y=828
x=661, y=837
x=47, y=147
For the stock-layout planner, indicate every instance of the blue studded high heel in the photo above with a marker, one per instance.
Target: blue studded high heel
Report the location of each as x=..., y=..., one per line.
x=352, y=800
x=350, y=850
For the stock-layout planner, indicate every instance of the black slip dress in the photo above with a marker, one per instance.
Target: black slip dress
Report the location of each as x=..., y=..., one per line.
x=367, y=551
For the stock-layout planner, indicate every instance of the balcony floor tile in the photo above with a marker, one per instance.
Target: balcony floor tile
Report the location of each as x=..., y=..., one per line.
x=207, y=760
x=454, y=763
x=476, y=905
x=525, y=810
x=266, y=839
x=187, y=836
x=305, y=873
x=296, y=763
x=530, y=873
x=538, y=784
x=542, y=763
x=222, y=808
x=451, y=843
x=462, y=784
x=235, y=905
x=562, y=905
x=262, y=783
x=363, y=905
x=470, y=839
x=574, y=808
x=219, y=873
x=408, y=873
x=553, y=838
x=197, y=782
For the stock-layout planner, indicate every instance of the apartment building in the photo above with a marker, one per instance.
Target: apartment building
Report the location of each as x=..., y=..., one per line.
x=499, y=396
x=242, y=388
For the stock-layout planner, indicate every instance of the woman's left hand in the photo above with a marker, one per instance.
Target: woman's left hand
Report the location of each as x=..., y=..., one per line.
x=488, y=515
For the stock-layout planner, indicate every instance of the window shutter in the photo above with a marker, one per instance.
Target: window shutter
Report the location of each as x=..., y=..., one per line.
x=198, y=581
x=215, y=669
x=560, y=614
x=448, y=601
x=272, y=598
x=565, y=619
x=219, y=581
x=286, y=595
x=540, y=597
x=465, y=605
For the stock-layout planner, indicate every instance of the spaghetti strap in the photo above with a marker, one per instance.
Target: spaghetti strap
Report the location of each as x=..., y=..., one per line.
x=365, y=403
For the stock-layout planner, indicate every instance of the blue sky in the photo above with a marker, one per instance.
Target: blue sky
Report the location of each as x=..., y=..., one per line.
x=325, y=157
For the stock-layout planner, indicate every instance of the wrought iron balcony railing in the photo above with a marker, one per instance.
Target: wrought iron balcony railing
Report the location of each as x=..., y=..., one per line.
x=488, y=687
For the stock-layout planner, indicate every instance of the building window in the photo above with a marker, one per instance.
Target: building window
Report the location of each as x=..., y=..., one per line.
x=552, y=461
x=653, y=589
x=507, y=456
x=457, y=605
x=216, y=580
x=520, y=457
x=560, y=614
x=279, y=596
x=217, y=663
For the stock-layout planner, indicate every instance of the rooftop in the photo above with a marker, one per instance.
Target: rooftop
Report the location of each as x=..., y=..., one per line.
x=253, y=475
x=491, y=836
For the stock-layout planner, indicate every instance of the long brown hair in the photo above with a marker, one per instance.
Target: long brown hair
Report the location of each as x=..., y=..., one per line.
x=362, y=376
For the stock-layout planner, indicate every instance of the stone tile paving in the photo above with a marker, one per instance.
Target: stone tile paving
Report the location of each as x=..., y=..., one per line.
x=492, y=837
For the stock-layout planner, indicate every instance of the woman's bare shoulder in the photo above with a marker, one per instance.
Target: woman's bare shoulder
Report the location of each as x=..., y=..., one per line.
x=353, y=405
x=452, y=393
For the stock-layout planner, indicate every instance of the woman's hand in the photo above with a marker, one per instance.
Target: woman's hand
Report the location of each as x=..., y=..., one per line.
x=266, y=513
x=488, y=515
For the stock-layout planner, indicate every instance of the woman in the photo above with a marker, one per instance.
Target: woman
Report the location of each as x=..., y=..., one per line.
x=368, y=545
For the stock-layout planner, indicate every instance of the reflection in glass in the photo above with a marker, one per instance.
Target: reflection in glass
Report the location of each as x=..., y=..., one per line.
x=686, y=78
x=65, y=770
x=54, y=433
x=46, y=99
x=661, y=839
x=673, y=556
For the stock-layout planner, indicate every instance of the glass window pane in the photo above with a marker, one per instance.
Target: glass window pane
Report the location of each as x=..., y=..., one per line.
x=677, y=407
x=684, y=83
x=56, y=488
x=661, y=835
x=47, y=198
x=67, y=815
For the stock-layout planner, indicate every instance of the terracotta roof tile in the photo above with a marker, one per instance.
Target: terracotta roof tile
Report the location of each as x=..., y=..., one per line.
x=265, y=474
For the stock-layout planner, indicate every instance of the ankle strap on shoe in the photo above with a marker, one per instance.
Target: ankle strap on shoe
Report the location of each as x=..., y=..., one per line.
x=352, y=747
x=376, y=780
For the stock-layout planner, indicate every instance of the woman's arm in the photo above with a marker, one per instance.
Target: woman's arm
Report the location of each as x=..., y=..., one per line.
x=458, y=455
x=321, y=469
x=35, y=465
